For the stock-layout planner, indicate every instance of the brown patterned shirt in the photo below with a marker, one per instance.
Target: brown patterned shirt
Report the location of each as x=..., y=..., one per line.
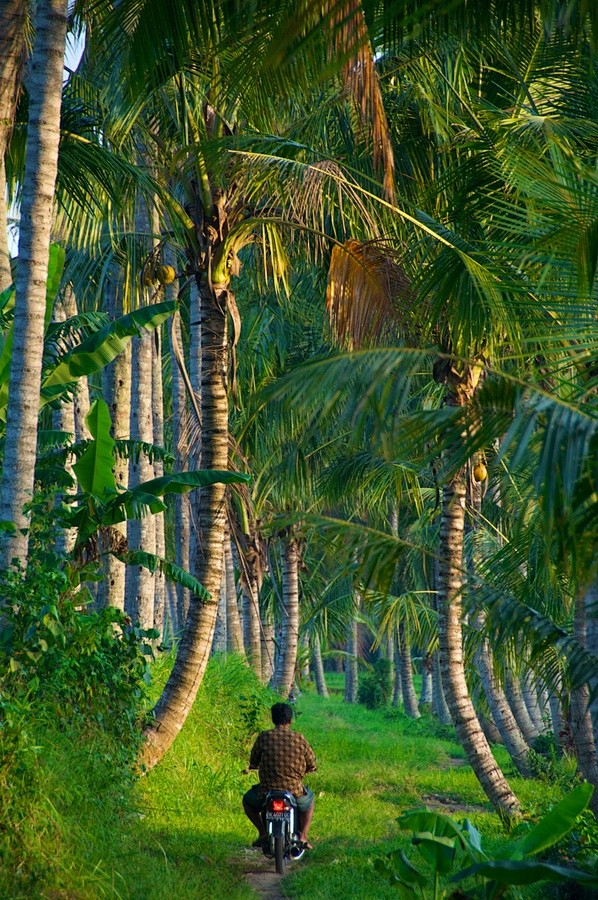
x=282, y=757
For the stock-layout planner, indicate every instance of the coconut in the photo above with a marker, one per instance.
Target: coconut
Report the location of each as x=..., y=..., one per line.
x=165, y=274
x=480, y=472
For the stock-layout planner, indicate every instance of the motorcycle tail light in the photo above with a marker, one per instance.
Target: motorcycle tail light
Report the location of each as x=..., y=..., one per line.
x=278, y=806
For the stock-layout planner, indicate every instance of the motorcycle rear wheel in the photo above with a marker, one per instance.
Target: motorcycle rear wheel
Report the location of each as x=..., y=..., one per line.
x=279, y=854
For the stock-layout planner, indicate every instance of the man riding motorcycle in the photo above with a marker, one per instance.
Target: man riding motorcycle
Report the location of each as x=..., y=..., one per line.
x=283, y=757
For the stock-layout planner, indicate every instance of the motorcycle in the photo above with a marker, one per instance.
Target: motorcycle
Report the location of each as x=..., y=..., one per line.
x=281, y=819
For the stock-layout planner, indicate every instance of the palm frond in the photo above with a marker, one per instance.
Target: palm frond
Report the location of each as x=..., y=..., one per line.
x=365, y=293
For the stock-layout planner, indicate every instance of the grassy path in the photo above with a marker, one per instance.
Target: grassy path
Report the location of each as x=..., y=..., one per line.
x=192, y=841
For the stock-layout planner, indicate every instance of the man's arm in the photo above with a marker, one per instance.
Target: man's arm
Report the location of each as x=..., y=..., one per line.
x=256, y=754
x=310, y=758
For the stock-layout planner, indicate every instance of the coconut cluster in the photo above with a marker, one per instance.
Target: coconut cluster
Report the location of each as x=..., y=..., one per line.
x=161, y=274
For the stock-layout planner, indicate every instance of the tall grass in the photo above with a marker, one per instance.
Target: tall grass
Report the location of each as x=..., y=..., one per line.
x=64, y=792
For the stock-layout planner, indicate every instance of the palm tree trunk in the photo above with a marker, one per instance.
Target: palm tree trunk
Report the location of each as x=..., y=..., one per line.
x=234, y=630
x=284, y=676
x=389, y=646
x=81, y=408
x=439, y=704
x=530, y=698
x=490, y=730
x=304, y=675
x=172, y=599
x=514, y=696
x=450, y=586
x=427, y=670
x=559, y=724
x=141, y=532
x=180, y=440
x=251, y=577
x=268, y=650
x=500, y=710
x=116, y=387
x=581, y=719
x=13, y=16
x=351, y=667
x=158, y=439
x=195, y=433
x=410, y=705
x=397, y=693
x=252, y=636
x=181, y=689
x=43, y=135
x=219, y=644
x=318, y=667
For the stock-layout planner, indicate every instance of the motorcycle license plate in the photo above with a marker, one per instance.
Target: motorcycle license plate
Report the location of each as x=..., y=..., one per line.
x=278, y=815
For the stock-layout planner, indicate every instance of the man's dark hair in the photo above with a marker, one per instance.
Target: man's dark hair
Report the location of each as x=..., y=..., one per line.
x=282, y=714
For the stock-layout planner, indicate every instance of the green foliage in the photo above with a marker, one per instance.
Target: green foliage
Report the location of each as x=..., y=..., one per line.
x=7, y=303
x=174, y=573
x=444, y=843
x=100, y=348
x=58, y=655
x=63, y=788
x=375, y=687
x=102, y=504
x=85, y=664
x=72, y=699
x=89, y=355
x=549, y=764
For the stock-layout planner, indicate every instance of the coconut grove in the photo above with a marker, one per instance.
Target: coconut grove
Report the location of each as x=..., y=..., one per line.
x=298, y=402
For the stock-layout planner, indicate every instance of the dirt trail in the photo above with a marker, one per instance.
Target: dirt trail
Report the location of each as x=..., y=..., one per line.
x=260, y=874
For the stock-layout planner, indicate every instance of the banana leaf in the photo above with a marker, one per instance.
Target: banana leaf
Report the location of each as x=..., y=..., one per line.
x=405, y=870
x=94, y=468
x=525, y=871
x=55, y=267
x=385, y=872
x=137, y=501
x=553, y=826
x=438, y=851
x=437, y=824
x=133, y=504
x=104, y=345
x=182, y=482
x=171, y=570
x=7, y=299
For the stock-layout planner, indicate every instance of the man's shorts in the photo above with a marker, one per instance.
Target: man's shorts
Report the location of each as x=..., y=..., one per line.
x=252, y=799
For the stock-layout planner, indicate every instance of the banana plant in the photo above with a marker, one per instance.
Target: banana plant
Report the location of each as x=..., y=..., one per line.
x=101, y=503
x=85, y=357
x=444, y=843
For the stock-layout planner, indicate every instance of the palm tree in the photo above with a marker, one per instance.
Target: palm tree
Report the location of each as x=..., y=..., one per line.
x=13, y=20
x=16, y=485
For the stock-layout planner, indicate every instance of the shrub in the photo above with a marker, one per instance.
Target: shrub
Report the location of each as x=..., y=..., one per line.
x=375, y=688
x=72, y=692
x=87, y=664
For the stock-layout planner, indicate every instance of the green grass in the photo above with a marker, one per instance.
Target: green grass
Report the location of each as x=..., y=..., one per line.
x=180, y=832
x=372, y=766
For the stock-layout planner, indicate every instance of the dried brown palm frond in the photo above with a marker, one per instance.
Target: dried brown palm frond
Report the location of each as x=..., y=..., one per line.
x=326, y=180
x=351, y=41
x=366, y=293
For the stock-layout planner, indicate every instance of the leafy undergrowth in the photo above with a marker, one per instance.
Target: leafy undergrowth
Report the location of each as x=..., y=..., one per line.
x=180, y=832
